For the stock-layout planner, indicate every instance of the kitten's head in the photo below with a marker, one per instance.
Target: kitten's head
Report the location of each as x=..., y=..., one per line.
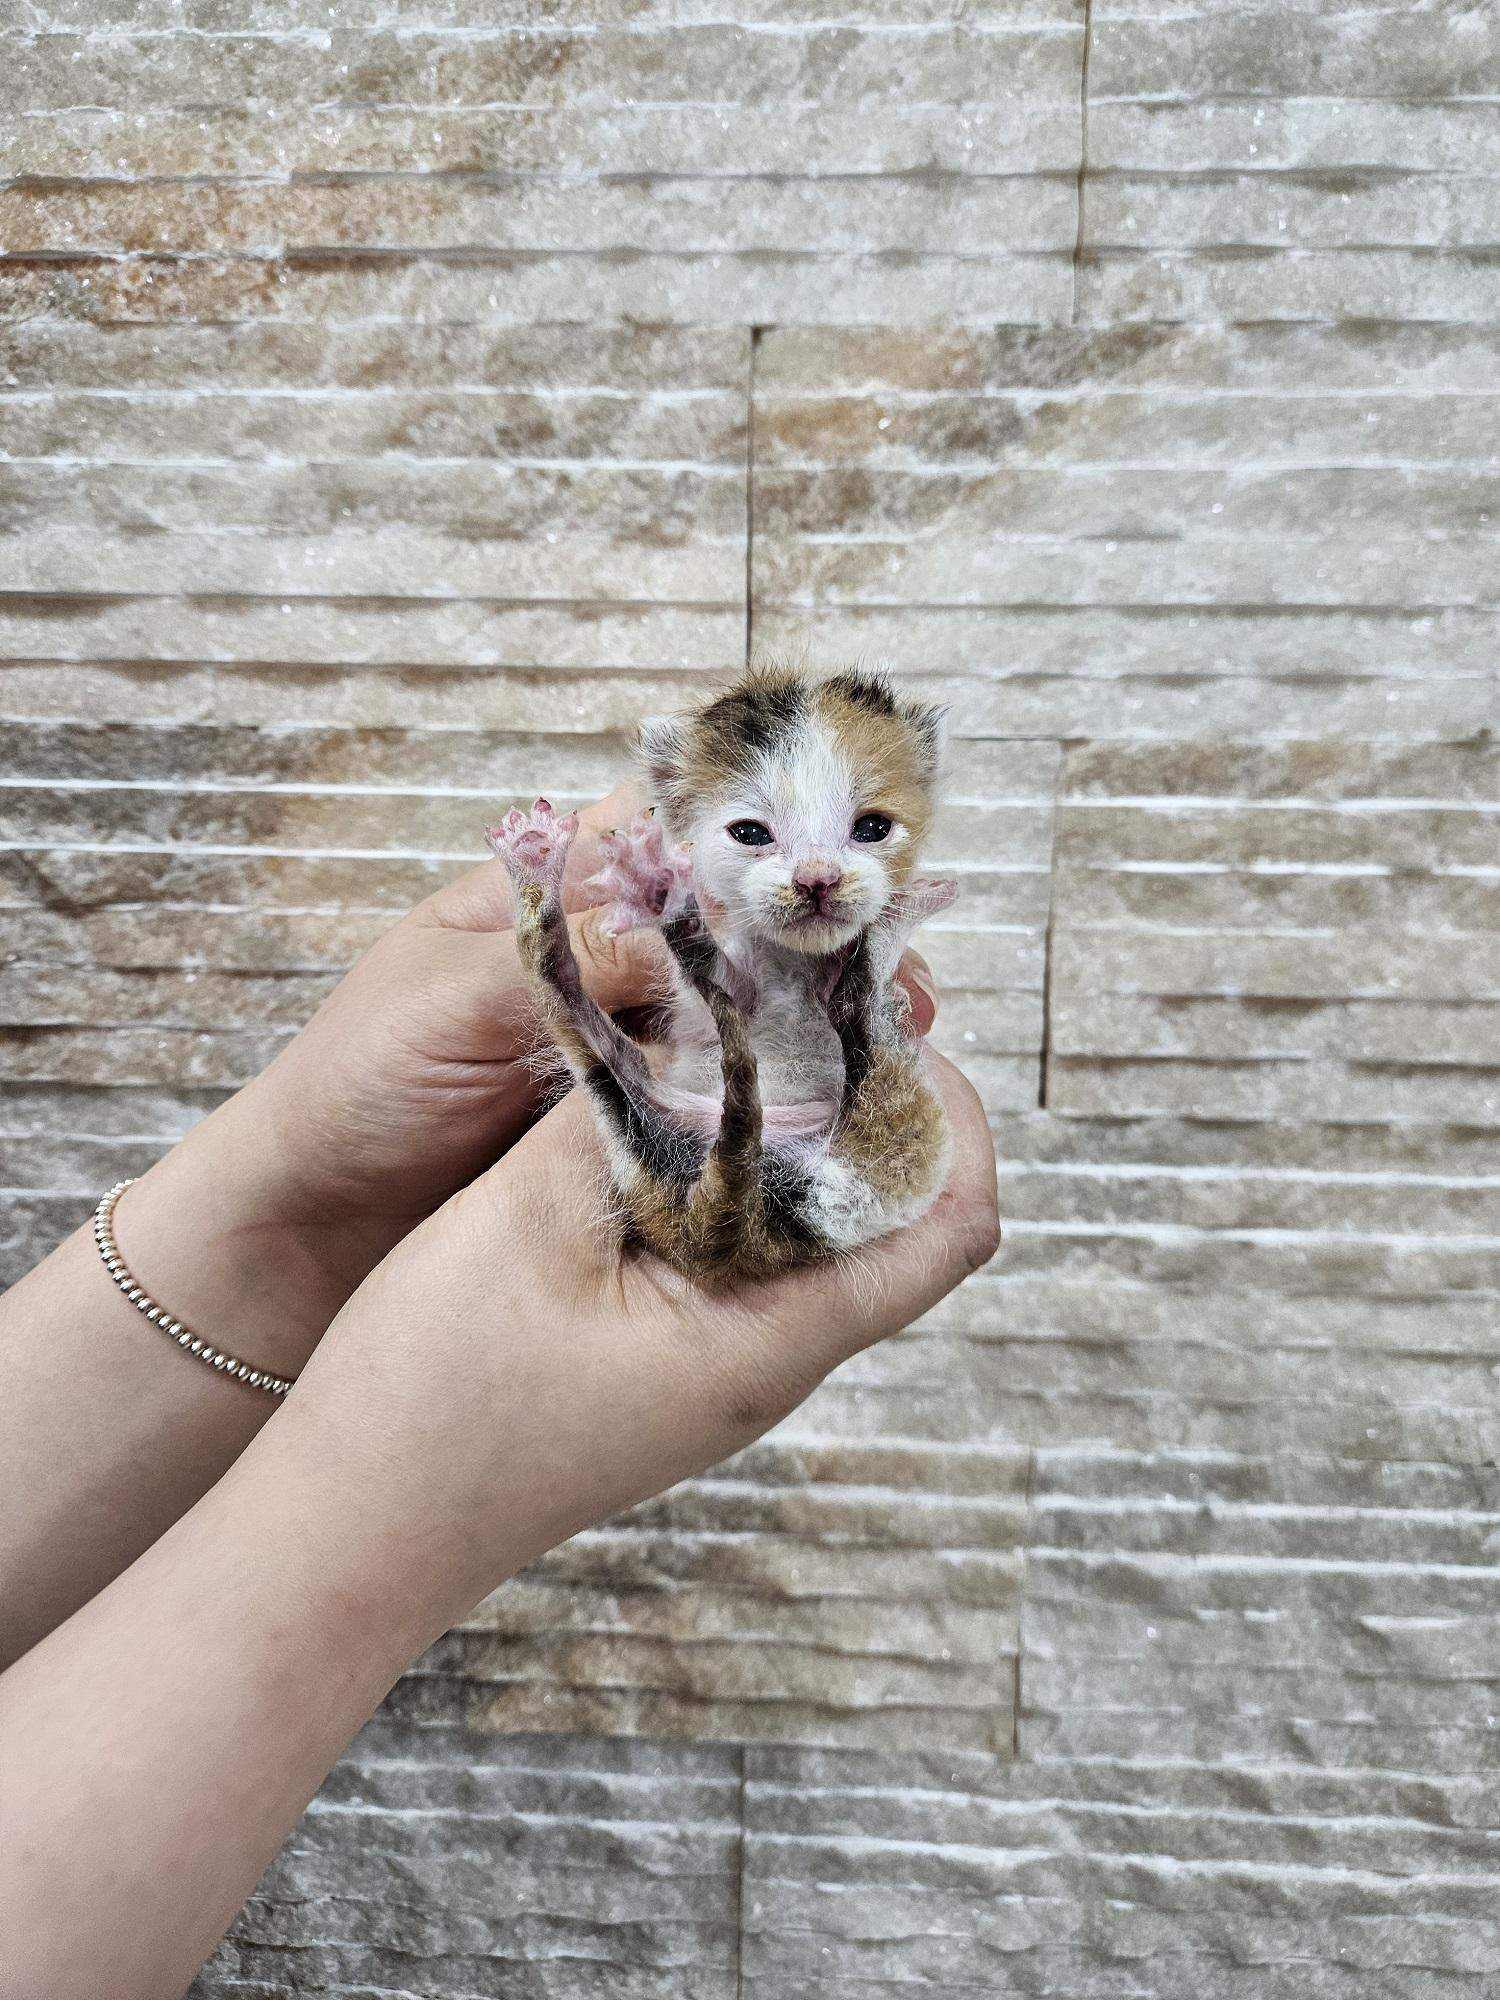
x=804, y=802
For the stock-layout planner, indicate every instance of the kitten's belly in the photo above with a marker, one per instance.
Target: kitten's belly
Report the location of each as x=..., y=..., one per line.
x=799, y=1059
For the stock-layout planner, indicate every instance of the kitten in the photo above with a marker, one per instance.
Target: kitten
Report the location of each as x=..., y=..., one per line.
x=785, y=1119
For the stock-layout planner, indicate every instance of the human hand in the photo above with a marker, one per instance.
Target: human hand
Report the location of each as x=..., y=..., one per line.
x=509, y=1374
x=506, y=1376
x=429, y=1058
x=420, y=1069
x=416, y=1074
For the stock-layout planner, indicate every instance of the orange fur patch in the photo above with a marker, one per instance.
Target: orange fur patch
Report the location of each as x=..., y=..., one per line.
x=893, y=1131
x=888, y=766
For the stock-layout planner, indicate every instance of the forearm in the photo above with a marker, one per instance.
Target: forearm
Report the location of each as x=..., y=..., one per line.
x=108, y=1431
x=157, y=1748
x=468, y=1410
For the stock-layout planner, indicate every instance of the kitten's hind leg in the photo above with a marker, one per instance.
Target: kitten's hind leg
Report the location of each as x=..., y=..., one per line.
x=723, y=1225
x=868, y=1010
x=889, y=1146
x=533, y=848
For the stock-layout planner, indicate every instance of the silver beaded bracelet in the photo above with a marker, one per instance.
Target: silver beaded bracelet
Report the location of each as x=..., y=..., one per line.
x=114, y=1263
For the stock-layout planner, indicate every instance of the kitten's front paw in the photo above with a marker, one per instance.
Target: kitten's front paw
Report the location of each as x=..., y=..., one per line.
x=923, y=897
x=646, y=879
x=534, y=846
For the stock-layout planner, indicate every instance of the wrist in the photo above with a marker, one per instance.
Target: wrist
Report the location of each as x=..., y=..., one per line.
x=229, y=1233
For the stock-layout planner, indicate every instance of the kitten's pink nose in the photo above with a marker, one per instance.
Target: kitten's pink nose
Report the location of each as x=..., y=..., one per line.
x=816, y=874
x=816, y=878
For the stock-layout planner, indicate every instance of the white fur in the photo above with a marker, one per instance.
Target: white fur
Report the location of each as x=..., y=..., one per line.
x=805, y=793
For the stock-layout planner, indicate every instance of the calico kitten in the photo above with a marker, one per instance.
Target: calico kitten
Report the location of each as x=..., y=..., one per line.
x=785, y=1118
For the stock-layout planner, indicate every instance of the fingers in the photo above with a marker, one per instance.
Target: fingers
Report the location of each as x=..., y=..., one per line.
x=818, y=1317
x=915, y=975
x=621, y=805
x=751, y=1352
x=631, y=969
x=477, y=900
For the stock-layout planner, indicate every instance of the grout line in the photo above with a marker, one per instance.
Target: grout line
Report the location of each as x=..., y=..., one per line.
x=1045, y=1052
x=1083, y=148
x=755, y=334
x=739, y=1890
x=1016, y=1689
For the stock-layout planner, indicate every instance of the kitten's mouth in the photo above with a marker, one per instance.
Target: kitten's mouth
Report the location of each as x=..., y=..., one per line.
x=815, y=929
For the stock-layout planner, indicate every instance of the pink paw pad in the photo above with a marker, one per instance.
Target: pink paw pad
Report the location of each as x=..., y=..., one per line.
x=534, y=845
x=646, y=879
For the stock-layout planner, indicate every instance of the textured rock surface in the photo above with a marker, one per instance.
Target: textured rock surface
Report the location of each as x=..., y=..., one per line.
x=395, y=403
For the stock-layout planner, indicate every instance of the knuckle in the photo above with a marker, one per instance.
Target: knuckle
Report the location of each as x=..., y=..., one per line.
x=979, y=1232
x=598, y=950
x=975, y=1227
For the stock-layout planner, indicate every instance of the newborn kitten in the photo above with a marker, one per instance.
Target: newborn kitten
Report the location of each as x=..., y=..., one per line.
x=785, y=1118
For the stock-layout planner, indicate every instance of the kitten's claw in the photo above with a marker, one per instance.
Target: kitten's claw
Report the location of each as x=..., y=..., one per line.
x=646, y=879
x=534, y=846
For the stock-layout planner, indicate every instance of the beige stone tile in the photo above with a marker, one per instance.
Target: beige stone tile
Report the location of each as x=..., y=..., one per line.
x=1099, y=1356
x=1095, y=1879
x=248, y=694
x=560, y=168
x=441, y=1860
x=1217, y=1285
x=373, y=631
x=1267, y=285
x=817, y=362
x=98, y=1114
x=142, y=998
x=1294, y=210
x=1338, y=135
x=594, y=71
x=1016, y=134
x=1303, y=1004
x=1291, y=53
x=220, y=16
x=472, y=422
x=505, y=287
x=1278, y=163
x=1448, y=706
x=123, y=886
x=393, y=563
x=652, y=364
x=808, y=1591
x=1101, y=1087
x=188, y=1059
x=1349, y=1608
x=1161, y=532
x=954, y=215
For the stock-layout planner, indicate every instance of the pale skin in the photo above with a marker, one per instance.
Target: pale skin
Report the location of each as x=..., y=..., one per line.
x=204, y=1607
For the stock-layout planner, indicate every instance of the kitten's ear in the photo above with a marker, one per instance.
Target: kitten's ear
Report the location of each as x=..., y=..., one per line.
x=662, y=747
x=929, y=725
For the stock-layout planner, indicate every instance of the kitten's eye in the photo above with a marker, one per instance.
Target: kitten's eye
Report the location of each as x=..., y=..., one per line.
x=871, y=826
x=749, y=833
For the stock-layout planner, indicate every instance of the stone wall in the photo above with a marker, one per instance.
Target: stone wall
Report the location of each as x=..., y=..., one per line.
x=394, y=403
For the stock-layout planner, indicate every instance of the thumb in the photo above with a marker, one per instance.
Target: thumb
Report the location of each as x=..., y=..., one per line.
x=620, y=970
